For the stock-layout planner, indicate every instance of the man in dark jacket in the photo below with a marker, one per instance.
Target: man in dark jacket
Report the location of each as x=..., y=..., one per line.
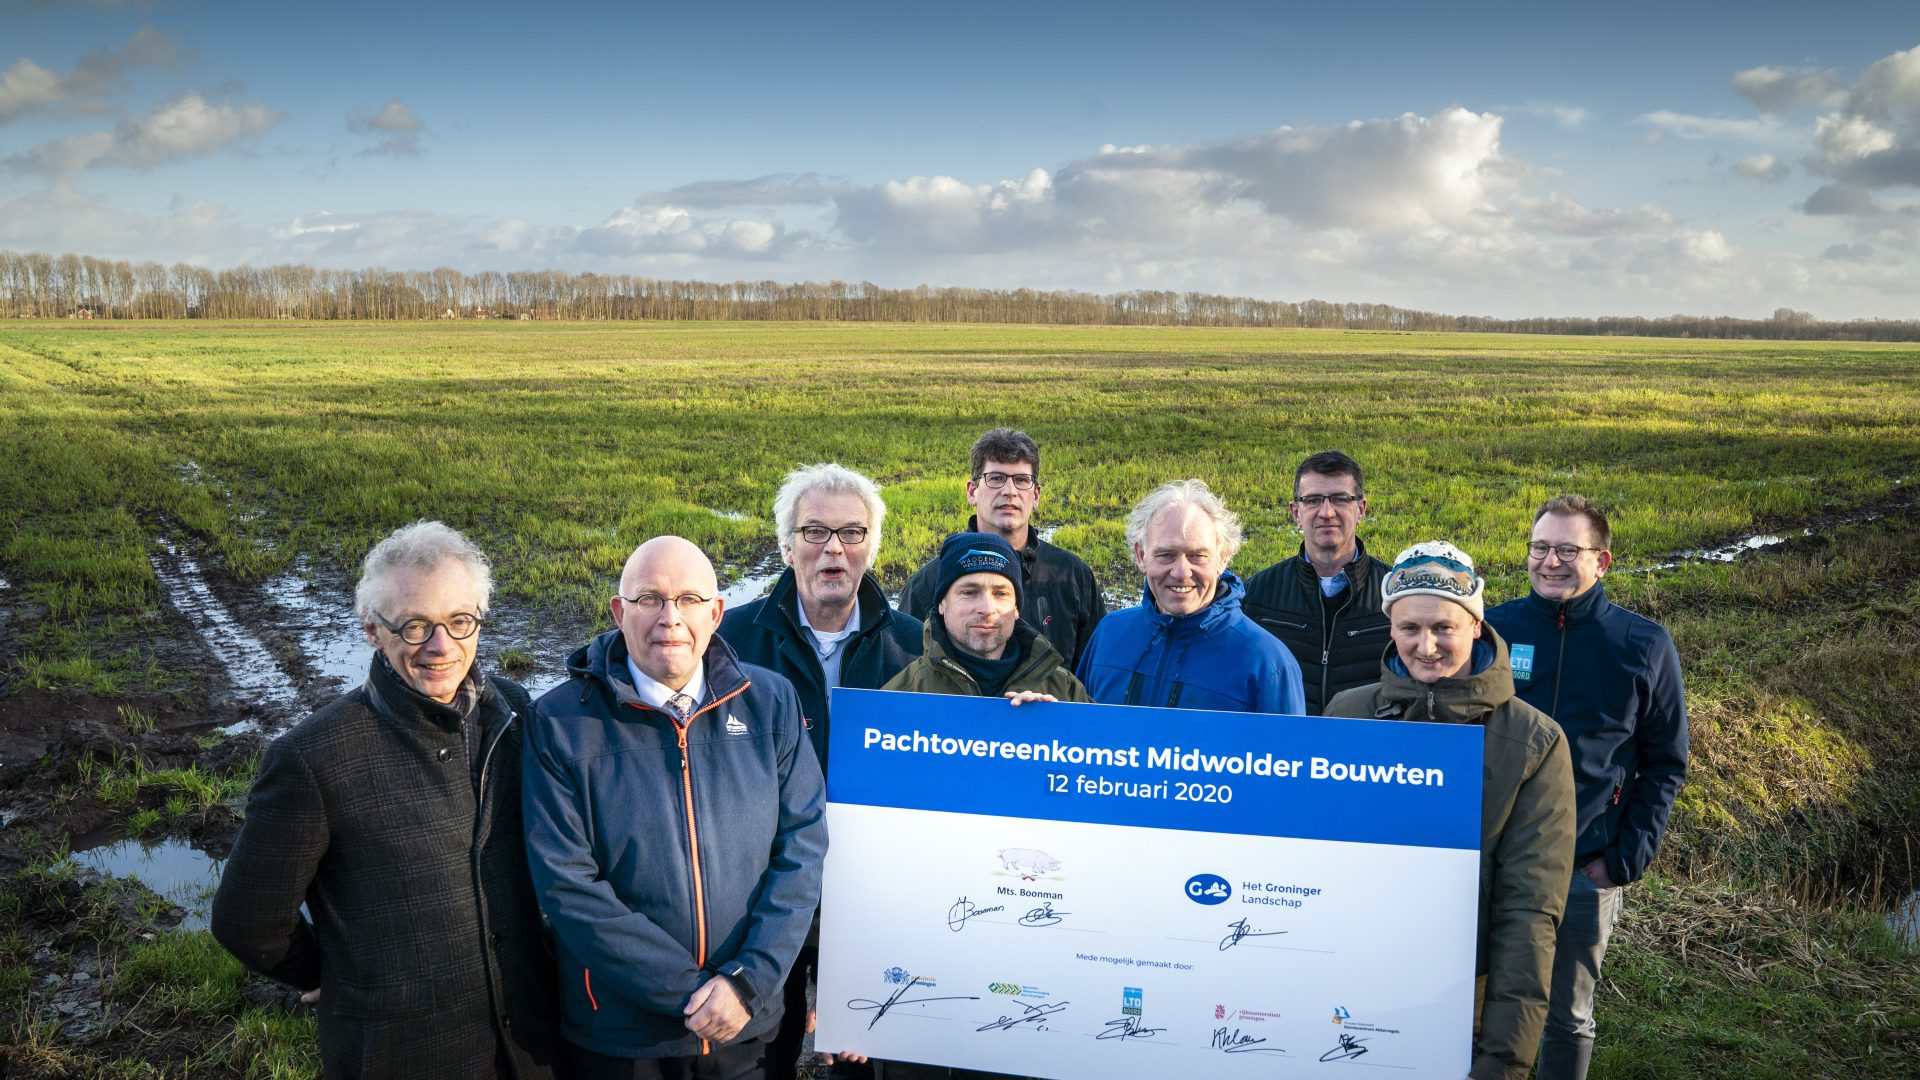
x=394, y=814
x=1447, y=667
x=825, y=623
x=1324, y=603
x=1187, y=644
x=977, y=643
x=1611, y=679
x=1062, y=600
x=675, y=824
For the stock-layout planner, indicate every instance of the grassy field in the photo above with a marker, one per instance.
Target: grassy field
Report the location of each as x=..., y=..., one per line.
x=561, y=446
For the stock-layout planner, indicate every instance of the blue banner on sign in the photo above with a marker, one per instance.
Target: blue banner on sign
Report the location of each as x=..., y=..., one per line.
x=1363, y=781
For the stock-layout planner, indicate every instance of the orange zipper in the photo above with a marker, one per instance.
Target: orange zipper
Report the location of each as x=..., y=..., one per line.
x=693, y=836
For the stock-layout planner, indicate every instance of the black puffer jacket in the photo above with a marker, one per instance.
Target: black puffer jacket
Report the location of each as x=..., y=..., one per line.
x=1063, y=600
x=1338, y=647
x=425, y=937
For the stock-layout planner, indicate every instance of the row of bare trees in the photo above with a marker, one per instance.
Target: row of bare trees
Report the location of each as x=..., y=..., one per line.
x=38, y=285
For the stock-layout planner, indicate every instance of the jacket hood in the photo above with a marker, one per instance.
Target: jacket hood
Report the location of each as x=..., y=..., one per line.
x=1461, y=699
x=1583, y=608
x=602, y=663
x=1228, y=593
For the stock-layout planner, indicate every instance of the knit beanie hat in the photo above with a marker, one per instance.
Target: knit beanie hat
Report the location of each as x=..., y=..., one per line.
x=1435, y=568
x=975, y=553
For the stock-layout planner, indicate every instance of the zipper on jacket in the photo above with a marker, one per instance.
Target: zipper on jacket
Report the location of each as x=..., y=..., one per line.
x=482, y=820
x=693, y=852
x=693, y=836
x=1559, y=664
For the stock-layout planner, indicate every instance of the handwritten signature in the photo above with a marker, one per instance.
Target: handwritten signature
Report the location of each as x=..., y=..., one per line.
x=1349, y=1048
x=1234, y=1041
x=880, y=1008
x=1035, y=1015
x=964, y=909
x=1044, y=915
x=1128, y=1027
x=1240, y=930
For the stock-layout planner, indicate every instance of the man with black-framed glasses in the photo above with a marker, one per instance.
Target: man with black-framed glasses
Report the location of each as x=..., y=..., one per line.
x=1324, y=603
x=393, y=814
x=1611, y=679
x=1063, y=602
x=825, y=623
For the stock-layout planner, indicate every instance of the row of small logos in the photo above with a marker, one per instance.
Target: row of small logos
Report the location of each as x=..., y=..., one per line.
x=1132, y=998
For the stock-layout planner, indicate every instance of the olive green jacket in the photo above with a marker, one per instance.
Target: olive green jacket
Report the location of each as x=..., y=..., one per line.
x=1526, y=840
x=1040, y=669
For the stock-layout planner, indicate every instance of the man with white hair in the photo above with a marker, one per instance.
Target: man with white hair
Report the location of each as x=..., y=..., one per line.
x=825, y=623
x=676, y=825
x=393, y=813
x=1448, y=666
x=1187, y=644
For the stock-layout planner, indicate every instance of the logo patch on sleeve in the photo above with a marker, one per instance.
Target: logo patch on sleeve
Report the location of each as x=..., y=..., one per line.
x=1522, y=660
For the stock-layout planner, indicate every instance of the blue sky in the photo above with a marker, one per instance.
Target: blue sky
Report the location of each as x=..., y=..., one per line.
x=1502, y=159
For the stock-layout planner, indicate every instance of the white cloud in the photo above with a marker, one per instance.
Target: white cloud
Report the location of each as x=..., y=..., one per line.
x=1685, y=126
x=28, y=89
x=1760, y=167
x=397, y=128
x=644, y=230
x=185, y=126
x=1843, y=139
x=774, y=189
x=1571, y=117
x=1773, y=89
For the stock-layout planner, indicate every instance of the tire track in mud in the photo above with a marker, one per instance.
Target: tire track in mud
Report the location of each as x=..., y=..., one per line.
x=250, y=666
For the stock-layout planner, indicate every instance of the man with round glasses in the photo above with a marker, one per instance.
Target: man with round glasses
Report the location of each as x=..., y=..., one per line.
x=1447, y=666
x=1611, y=679
x=393, y=813
x=1324, y=603
x=676, y=825
x=1063, y=601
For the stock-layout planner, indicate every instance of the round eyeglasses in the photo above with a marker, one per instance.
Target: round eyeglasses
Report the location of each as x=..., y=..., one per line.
x=418, y=631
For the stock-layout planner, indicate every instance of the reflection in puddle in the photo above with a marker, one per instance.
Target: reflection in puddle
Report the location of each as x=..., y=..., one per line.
x=4, y=583
x=755, y=583
x=1735, y=550
x=249, y=664
x=174, y=869
x=1905, y=923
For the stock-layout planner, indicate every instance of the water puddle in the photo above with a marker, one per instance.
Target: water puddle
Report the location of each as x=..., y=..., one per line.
x=1905, y=923
x=248, y=662
x=4, y=583
x=1753, y=542
x=755, y=582
x=174, y=869
x=1047, y=532
x=732, y=515
x=318, y=610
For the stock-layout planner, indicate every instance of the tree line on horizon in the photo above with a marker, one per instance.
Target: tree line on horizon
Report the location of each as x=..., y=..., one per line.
x=43, y=286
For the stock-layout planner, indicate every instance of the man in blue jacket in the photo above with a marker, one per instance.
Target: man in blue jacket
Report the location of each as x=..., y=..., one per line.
x=1611, y=679
x=675, y=827
x=1187, y=644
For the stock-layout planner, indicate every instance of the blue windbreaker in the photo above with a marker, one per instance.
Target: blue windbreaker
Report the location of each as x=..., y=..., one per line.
x=1215, y=658
x=1611, y=679
x=664, y=856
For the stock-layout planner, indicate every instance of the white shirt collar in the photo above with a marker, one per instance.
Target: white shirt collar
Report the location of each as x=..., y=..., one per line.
x=828, y=638
x=656, y=693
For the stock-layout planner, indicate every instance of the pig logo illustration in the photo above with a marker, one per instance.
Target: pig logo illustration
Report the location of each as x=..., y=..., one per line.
x=1029, y=863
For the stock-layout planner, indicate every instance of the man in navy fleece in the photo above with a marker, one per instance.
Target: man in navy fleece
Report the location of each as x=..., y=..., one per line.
x=1611, y=679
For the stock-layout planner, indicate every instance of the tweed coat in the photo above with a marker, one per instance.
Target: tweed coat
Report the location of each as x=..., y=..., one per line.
x=424, y=938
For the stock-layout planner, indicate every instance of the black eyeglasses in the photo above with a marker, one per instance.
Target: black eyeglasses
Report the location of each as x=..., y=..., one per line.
x=651, y=602
x=1020, y=481
x=418, y=631
x=1567, y=552
x=1315, y=502
x=850, y=535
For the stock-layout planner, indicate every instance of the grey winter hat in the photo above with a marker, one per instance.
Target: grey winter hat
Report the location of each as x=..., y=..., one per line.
x=1435, y=568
